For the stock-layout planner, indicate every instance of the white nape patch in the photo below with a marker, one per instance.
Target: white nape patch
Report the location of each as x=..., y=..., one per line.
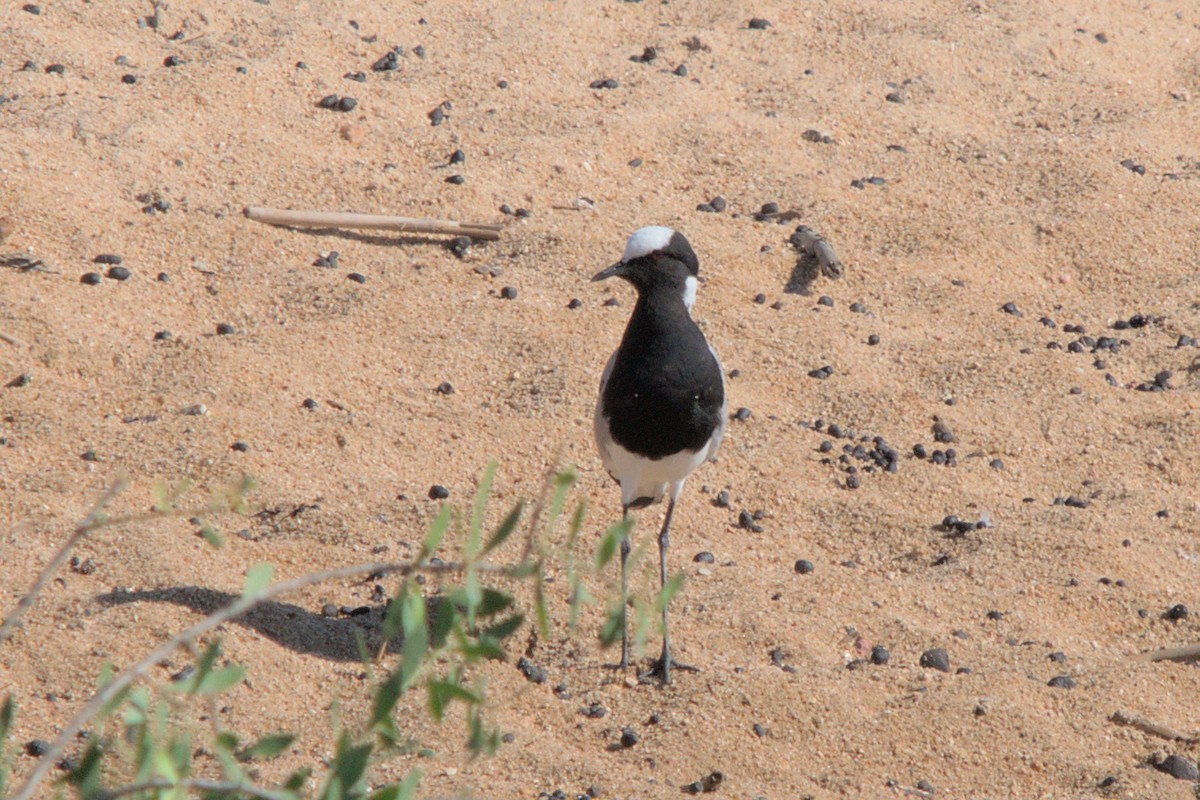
x=689, y=291
x=645, y=241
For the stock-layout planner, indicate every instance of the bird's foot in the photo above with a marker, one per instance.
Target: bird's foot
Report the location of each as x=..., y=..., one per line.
x=662, y=667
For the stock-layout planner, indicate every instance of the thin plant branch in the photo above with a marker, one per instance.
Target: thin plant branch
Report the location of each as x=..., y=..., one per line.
x=378, y=222
x=235, y=609
x=1190, y=652
x=1151, y=727
x=89, y=523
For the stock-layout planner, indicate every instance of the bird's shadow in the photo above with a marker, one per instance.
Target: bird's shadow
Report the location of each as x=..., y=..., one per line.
x=805, y=271
x=289, y=625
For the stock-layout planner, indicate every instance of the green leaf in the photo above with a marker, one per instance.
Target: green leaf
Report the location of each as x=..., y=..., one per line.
x=480, y=649
x=442, y=693
x=505, y=529
x=385, y=699
x=539, y=599
x=475, y=531
x=562, y=481
x=257, y=579
x=493, y=602
x=609, y=541
x=210, y=535
x=267, y=747
x=219, y=680
x=444, y=616
x=416, y=638
x=348, y=768
x=611, y=630
x=505, y=628
x=86, y=776
x=8, y=711
x=437, y=530
x=674, y=584
x=398, y=791
x=295, y=782
x=474, y=594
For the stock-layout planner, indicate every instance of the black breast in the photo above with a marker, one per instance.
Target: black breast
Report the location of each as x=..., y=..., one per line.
x=665, y=392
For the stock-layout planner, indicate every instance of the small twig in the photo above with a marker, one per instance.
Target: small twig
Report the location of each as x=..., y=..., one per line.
x=9, y=339
x=85, y=527
x=326, y=219
x=811, y=242
x=1190, y=652
x=235, y=609
x=1149, y=726
x=197, y=784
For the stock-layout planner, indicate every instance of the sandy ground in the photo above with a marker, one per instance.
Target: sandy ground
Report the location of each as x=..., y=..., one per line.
x=1000, y=152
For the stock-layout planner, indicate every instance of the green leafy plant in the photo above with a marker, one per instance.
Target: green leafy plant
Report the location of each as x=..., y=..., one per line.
x=146, y=747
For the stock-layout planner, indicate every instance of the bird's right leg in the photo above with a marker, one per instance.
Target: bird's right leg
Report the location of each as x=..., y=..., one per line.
x=624, y=593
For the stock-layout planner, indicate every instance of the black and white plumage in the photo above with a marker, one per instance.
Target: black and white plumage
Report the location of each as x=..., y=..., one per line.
x=661, y=412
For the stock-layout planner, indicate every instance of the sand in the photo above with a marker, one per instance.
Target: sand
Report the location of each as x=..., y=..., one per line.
x=1000, y=152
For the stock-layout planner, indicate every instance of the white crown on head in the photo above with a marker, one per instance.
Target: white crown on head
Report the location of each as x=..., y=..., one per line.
x=645, y=241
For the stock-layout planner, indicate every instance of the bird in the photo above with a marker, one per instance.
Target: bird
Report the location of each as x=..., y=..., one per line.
x=661, y=410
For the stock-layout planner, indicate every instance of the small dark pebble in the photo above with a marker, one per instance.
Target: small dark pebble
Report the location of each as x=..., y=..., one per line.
x=387, y=62
x=821, y=373
x=240, y=446
x=825, y=300
x=853, y=481
x=880, y=655
x=1058, y=657
x=759, y=730
x=173, y=61
x=119, y=273
x=1011, y=308
x=55, y=69
x=445, y=387
x=357, y=277
x=722, y=499
x=648, y=55
x=635, y=162
x=164, y=277
x=936, y=658
x=90, y=278
x=612, y=302
x=32, y=9
x=224, y=329
x=873, y=339
x=1108, y=782
x=995, y=615
x=804, y=566
x=703, y=557
x=458, y=157
x=1162, y=513
x=628, y=737
x=594, y=711
x=742, y=414
x=328, y=101
x=1184, y=341
x=825, y=447
x=532, y=672
x=1179, y=767
x=1133, y=166
x=460, y=246
x=19, y=381
x=183, y=674
x=347, y=104
x=129, y=78
x=1176, y=612
x=574, y=303
x=360, y=77
x=758, y=24
x=243, y=71
x=996, y=463
x=509, y=293
x=107, y=258
x=1061, y=682
x=522, y=213
x=706, y=208
x=681, y=70
x=894, y=97
x=457, y=180
x=438, y=492
x=329, y=610
x=357, y=611
x=760, y=298
x=858, y=308
x=769, y=208
x=437, y=116
x=36, y=747
x=919, y=451
x=604, y=83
